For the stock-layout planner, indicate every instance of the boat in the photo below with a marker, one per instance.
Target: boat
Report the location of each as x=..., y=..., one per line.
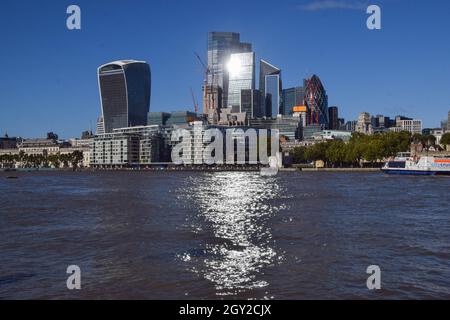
x=428, y=165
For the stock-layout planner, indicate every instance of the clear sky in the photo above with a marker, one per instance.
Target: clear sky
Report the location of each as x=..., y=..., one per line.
x=48, y=75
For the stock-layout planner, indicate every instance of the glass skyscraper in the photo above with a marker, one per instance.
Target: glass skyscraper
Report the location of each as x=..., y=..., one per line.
x=251, y=103
x=291, y=98
x=220, y=47
x=125, y=93
x=317, y=101
x=241, y=70
x=270, y=83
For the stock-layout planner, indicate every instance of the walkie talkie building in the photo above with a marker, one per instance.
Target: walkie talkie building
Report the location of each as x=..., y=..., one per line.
x=125, y=93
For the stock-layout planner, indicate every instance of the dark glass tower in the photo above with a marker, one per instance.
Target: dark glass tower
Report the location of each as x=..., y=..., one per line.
x=220, y=47
x=292, y=97
x=250, y=103
x=333, y=118
x=125, y=93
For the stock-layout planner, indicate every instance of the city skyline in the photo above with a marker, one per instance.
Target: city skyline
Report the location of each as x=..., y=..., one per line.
x=361, y=70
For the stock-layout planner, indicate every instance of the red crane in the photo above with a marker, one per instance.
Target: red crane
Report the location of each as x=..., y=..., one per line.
x=195, y=101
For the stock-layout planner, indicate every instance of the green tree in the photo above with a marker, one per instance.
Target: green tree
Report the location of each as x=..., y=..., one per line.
x=298, y=154
x=445, y=140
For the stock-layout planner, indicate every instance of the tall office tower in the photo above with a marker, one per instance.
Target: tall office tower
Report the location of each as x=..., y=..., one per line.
x=251, y=103
x=333, y=118
x=125, y=93
x=241, y=70
x=270, y=83
x=317, y=101
x=220, y=47
x=290, y=98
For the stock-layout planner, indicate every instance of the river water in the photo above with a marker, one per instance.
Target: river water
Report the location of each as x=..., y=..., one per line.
x=224, y=235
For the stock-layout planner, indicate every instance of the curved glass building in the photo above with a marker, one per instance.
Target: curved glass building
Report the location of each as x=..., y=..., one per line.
x=316, y=101
x=125, y=93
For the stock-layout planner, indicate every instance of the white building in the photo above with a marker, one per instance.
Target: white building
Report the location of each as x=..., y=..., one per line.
x=413, y=126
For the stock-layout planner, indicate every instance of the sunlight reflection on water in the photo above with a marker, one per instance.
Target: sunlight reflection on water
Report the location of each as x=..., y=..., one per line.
x=234, y=207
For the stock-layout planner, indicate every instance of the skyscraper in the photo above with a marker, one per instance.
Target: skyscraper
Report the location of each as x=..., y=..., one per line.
x=125, y=93
x=317, y=101
x=333, y=118
x=292, y=97
x=270, y=83
x=241, y=70
x=251, y=103
x=220, y=47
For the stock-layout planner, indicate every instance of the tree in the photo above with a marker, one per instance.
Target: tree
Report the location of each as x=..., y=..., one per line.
x=52, y=136
x=76, y=158
x=445, y=140
x=298, y=154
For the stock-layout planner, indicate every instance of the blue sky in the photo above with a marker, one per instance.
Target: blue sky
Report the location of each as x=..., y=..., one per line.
x=48, y=76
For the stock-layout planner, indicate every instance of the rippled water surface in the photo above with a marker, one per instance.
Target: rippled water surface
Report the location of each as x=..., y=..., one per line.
x=227, y=235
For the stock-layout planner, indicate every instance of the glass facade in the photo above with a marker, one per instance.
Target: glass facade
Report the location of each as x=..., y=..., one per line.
x=250, y=103
x=317, y=101
x=333, y=118
x=266, y=69
x=291, y=98
x=125, y=94
x=272, y=86
x=241, y=68
x=220, y=46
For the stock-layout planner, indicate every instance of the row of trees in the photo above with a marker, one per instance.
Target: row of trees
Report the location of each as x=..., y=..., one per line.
x=337, y=153
x=73, y=159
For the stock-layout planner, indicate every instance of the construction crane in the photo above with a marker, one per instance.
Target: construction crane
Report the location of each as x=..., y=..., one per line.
x=207, y=85
x=194, y=101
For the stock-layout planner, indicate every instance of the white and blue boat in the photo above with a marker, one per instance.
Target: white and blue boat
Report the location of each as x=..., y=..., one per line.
x=428, y=165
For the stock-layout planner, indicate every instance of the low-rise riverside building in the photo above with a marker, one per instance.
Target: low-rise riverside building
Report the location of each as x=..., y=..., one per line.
x=131, y=147
x=39, y=147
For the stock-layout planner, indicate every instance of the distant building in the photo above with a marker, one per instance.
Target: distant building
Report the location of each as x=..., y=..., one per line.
x=241, y=69
x=131, y=147
x=125, y=93
x=39, y=147
x=292, y=97
x=172, y=118
x=364, y=124
x=251, y=103
x=230, y=118
x=158, y=118
x=289, y=126
x=333, y=117
x=7, y=142
x=437, y=133
x=341, y=122
x=412, y=126
x=220, y=47
x=212, y=102
x=398, y=120
x=351, y=125
x=311, y=130
x=317, y=101
x=333, y=135
x=100, y=126
x=270, y=84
